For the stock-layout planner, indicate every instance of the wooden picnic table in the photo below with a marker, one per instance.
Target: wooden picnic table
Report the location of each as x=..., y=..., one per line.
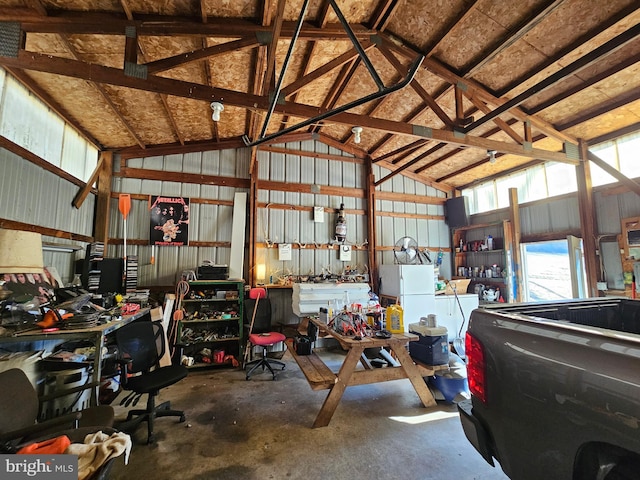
x=320, y=376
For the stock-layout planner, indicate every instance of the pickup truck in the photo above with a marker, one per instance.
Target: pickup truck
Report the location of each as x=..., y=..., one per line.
x=555, y=388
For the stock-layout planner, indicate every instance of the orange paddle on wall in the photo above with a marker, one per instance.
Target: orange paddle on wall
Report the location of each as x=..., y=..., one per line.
x=124, y=205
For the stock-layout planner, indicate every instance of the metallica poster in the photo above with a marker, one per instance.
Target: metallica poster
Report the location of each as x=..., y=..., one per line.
x=169, y=221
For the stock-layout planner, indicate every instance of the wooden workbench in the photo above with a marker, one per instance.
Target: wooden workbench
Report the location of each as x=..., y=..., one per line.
x=320, y=376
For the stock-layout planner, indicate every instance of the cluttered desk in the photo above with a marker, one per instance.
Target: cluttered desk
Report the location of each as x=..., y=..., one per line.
x=74, y=320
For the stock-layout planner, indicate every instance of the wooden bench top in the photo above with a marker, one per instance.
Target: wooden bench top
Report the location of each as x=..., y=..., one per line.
x=319, y=376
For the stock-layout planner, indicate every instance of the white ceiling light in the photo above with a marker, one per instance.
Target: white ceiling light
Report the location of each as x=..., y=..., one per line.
x=357, y=131
x=217, y=107
x=492, y=156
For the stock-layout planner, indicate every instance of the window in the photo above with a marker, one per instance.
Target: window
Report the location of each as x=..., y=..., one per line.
x=28, y=122
x=546, y=271
x=556, y=178
x=628, y=148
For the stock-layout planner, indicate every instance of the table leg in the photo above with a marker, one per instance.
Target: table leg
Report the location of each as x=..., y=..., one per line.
x=97, y=369
x=335, y=394
x=413, y=374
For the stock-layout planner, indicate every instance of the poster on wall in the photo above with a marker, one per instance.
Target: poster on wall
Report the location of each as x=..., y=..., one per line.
x=169, y=224
x=22, y=287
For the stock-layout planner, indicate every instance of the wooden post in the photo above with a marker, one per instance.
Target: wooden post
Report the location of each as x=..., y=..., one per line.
x=253, y=202
x=514, y=217
x=587, y=220
x=103, y=201
x=371, y=224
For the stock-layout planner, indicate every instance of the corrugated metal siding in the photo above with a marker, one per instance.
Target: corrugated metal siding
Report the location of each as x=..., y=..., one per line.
x=36, y=196
x=432, y=234
x=32, y=195
x=208, y=222
x=277, y=225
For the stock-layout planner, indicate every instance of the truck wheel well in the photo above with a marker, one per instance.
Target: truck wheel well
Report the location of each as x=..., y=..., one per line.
x=602, y=461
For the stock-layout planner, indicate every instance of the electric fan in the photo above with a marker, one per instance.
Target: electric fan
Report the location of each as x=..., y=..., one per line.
x=406, y=251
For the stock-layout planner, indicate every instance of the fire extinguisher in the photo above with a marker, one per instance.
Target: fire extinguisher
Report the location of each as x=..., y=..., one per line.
x=341, y=225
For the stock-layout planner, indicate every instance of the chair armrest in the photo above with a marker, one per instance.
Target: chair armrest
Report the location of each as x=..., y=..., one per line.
x=70, y=420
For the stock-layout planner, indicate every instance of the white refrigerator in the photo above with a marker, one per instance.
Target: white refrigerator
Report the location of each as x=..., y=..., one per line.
x=414, y=285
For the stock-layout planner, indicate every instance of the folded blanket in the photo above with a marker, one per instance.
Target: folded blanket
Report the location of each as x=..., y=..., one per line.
x=97, y=449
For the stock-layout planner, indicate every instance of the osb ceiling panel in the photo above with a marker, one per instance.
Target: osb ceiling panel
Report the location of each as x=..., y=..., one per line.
x=422, y=24
x=479, y=55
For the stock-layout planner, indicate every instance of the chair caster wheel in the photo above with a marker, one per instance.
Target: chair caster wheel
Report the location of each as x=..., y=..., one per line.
x=182, y=418
x=247, y=377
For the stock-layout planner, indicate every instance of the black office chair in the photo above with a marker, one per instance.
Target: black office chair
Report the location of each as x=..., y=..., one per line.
x=141, y=346
x=19, y=427
x=257, y=310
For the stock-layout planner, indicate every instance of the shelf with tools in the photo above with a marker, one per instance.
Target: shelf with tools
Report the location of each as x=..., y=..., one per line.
x=210, y=332
x=483, y=254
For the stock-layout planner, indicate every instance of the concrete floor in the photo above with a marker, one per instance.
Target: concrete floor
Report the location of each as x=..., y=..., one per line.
x=261, y=429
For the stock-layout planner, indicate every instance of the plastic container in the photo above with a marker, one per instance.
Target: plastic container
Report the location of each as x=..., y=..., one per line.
x=432, y=347
x=395, y=319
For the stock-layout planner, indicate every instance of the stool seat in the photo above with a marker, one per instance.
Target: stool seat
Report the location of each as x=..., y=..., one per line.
x=268, y=338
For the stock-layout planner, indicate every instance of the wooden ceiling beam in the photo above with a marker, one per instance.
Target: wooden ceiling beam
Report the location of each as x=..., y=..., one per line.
x=512, y=36
x=175, y=148
x=409, y=148
x=586, y=83
x=338, y=87
x=502, y=124
x=410, y=163
x=600, y=109
x=87, y=23
x=474, y=88
x=102, y=74
x=422, y=155
x=203, y=11
x=382, y=15
x=269, y=77
x=323, y=70
x=573, y=68
x=322, y=21
x=195, y=55
x=127, y=9
x=428, y=99
x=454, y=81
x=258, y=81
x=490, y=133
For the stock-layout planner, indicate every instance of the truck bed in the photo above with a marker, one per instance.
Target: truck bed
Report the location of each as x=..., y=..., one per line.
x=562, y=384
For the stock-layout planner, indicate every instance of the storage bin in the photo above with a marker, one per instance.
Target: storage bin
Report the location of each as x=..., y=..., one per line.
x=302, y=345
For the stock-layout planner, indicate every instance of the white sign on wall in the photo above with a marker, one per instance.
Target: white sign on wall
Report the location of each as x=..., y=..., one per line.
x=284, y=251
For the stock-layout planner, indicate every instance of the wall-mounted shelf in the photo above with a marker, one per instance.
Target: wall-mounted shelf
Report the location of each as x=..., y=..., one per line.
x=472, y=258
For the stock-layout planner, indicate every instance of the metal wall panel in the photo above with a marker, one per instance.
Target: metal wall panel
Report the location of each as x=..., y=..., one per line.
x=432, y=234
x=297, y=226
x=608, y=217
x=208, y=222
